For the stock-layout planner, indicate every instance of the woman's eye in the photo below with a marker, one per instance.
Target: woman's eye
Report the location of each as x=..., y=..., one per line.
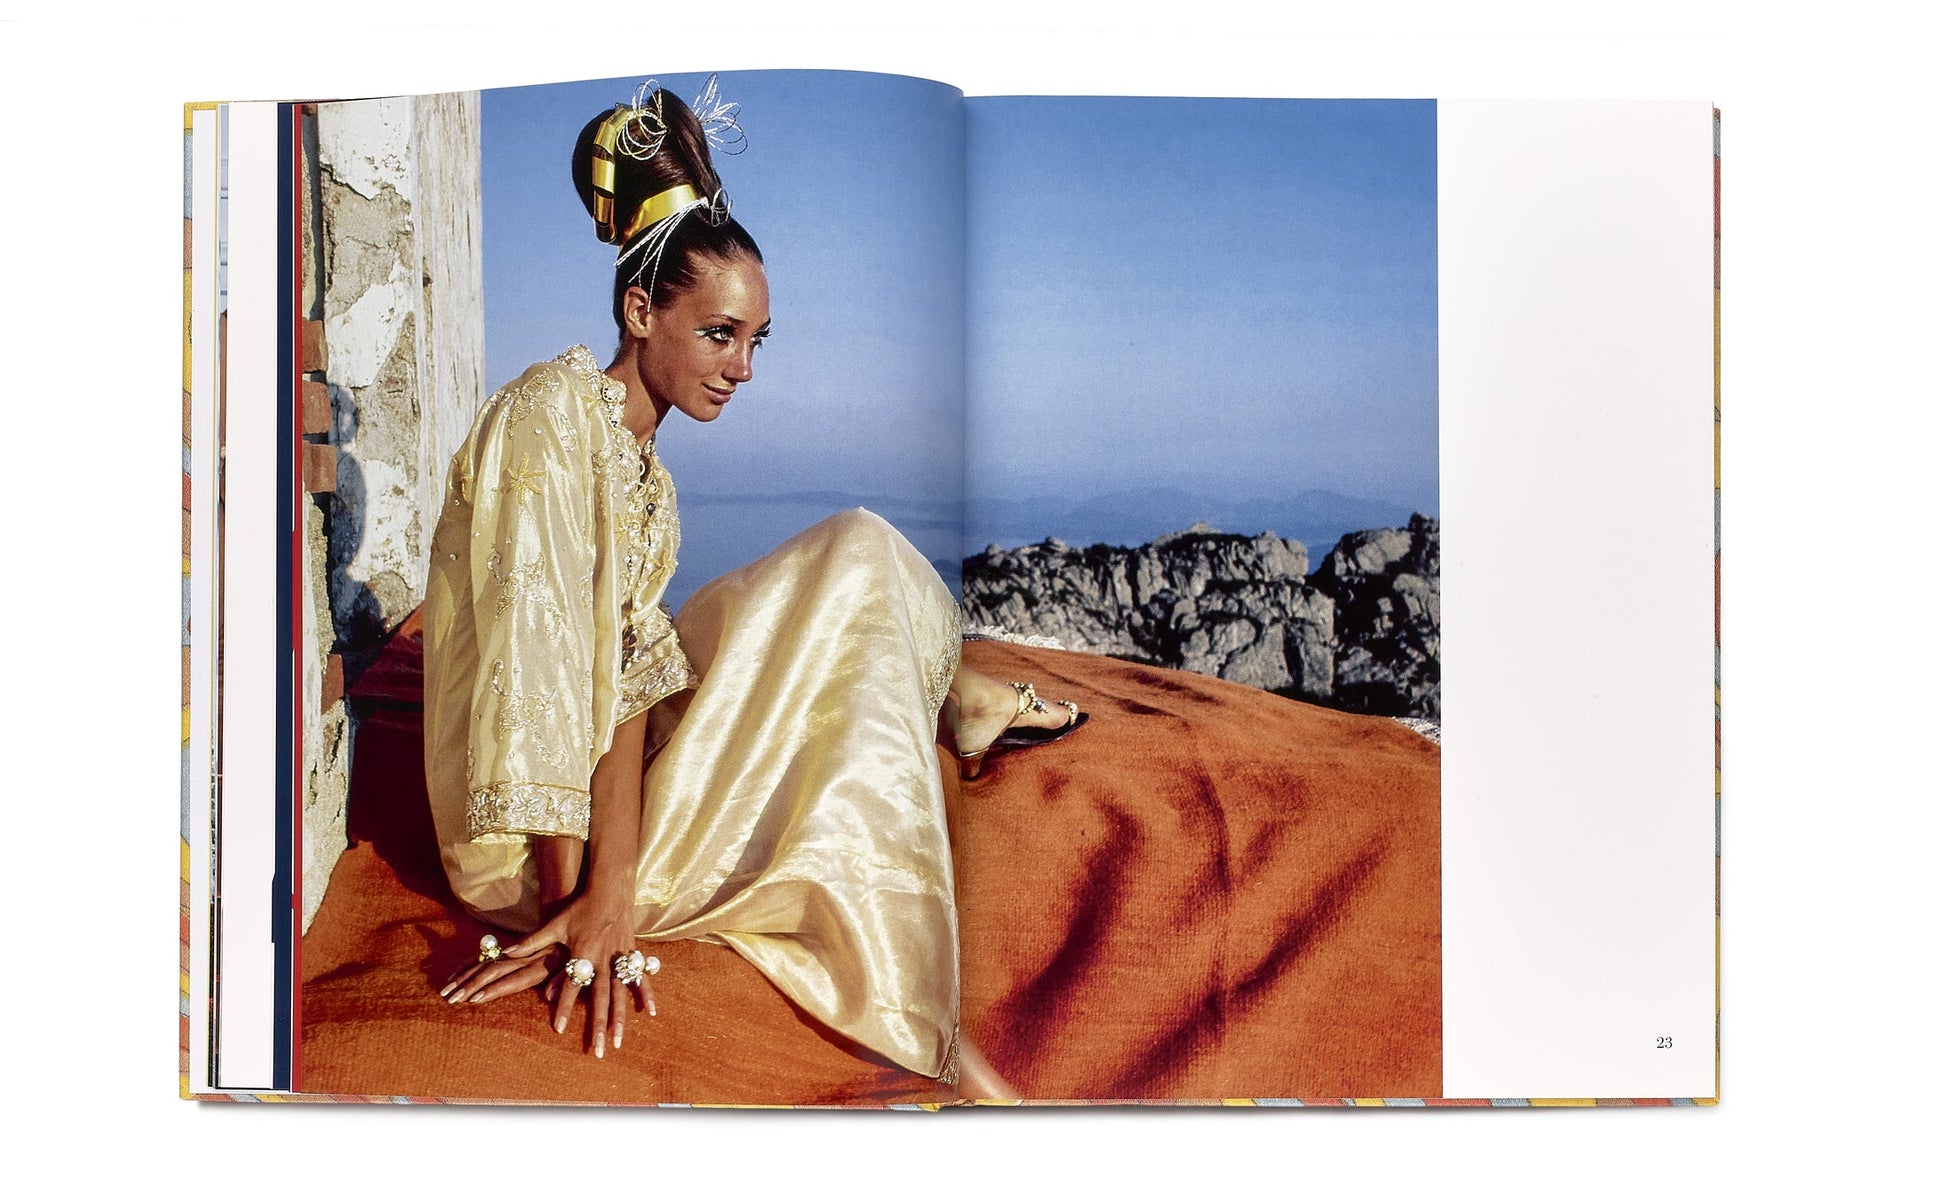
x=718, y=334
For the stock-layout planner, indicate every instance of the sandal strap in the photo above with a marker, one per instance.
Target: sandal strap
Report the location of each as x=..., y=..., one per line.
x=1074, y=713
x=1029, y=701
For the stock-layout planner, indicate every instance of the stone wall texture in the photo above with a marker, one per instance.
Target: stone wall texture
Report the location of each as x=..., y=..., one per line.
x=392, y=236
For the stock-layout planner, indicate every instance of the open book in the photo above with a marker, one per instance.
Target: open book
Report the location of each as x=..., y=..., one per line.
x=1277, y=434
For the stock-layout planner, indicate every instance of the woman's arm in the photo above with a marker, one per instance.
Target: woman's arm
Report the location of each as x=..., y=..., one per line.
x=558, y=860
x=600, y=924
x=595, y=919
x=614, y=828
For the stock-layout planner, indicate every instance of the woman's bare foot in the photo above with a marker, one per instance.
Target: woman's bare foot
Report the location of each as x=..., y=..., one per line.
x=987, y=707
x=983, y=713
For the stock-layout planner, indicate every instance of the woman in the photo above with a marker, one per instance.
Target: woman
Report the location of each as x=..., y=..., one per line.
x=759, y=771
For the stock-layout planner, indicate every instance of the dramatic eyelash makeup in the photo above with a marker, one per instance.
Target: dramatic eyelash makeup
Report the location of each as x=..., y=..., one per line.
x=724, y=333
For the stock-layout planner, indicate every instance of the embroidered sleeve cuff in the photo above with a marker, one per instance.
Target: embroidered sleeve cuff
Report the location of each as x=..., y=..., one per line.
x=526, y=808
x=658, y=672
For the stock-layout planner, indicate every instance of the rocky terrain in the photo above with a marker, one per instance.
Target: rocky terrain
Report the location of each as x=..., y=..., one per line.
x=1359, y=633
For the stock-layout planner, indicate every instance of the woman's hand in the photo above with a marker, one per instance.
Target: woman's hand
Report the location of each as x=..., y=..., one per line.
x=491, y=979
x=597, y=923
x=584, y=929
x=599, y=930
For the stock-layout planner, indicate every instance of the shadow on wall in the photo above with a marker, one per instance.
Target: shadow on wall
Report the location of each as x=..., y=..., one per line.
x=357, y=614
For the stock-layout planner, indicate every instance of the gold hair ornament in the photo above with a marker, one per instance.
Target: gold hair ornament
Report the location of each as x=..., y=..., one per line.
x=634, y=129
x=658, y=207
x=648, y=228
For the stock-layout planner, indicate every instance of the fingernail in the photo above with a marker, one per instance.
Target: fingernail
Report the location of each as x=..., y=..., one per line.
x=560, y=1026
x=476, y=998
x=651, y=1010
x=448, y=990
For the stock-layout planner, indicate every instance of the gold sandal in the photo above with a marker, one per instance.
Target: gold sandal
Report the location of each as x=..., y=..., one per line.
x=1019, y=738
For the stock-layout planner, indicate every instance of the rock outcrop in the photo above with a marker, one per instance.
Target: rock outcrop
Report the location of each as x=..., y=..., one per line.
x=1361, y=633
x=1384, y=584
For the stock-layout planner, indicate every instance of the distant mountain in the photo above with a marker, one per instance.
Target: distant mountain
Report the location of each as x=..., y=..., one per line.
x=1316, y=517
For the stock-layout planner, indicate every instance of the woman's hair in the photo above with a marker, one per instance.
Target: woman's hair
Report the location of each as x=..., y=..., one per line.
x=681, y=159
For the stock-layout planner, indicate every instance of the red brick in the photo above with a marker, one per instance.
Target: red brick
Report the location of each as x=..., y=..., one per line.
x=315, y=402
x=320, y=468
x=314, y=356
x=334, y=680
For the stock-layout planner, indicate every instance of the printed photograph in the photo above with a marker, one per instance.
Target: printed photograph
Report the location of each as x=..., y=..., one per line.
x=825, y=592
x=1202, y=503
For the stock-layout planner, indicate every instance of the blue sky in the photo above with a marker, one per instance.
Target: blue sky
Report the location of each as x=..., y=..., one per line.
x=1231, y=297
x=852, y=184
x=1236, y=296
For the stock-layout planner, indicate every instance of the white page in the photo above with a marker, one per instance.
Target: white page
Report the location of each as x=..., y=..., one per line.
x=1576, y=471
x=246, y=998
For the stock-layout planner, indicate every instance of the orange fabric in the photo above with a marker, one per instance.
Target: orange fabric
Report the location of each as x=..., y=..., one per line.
x=389, y=933
x=1205, y=892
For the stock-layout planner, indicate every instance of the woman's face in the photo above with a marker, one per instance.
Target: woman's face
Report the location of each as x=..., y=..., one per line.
x=698, y=347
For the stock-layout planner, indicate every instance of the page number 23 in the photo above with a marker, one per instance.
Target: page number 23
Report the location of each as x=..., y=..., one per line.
x=1665, y=1043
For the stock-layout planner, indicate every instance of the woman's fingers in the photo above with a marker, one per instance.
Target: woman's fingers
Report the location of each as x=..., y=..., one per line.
x=468, y=985
x=460, y=977
x=565, y=993
x=526, y=965
x=547, y=936
x=609, y=999
x=618, y=1012
x=526, y=974
x=598, y=1016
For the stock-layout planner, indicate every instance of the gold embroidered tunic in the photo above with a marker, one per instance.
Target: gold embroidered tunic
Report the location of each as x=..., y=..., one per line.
x=545, y=627
x=793, y=807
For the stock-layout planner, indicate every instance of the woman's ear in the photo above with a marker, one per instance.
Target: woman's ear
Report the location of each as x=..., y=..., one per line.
x=636, y=315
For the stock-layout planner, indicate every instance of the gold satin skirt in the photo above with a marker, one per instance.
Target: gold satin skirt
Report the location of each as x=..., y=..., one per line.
x=795, y=813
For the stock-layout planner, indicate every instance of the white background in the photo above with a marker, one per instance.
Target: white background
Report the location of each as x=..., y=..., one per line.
x=1831, y=330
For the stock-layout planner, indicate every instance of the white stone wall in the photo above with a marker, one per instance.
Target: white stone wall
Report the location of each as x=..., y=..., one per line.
x=399, y=188
x=397, y=199
x=327, y=731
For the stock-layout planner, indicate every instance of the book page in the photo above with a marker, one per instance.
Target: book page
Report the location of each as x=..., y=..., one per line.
x=1238, y=425
x=1577, y=465
x=1274, y=350
x=444, y=252
x=1220, y=320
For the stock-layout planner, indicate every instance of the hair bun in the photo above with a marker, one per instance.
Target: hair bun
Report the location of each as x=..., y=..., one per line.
x=642, y=153
x=645, y=177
